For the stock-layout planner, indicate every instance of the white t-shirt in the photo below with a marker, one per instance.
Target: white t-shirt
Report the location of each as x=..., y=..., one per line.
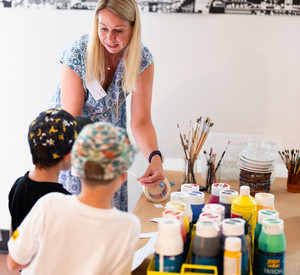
x=63, y=236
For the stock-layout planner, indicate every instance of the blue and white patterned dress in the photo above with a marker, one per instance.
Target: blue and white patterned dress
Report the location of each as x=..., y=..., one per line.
x=104, y=109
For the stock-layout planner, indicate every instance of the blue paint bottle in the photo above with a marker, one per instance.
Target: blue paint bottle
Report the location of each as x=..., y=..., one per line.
x=168, y=255
x=197, y=204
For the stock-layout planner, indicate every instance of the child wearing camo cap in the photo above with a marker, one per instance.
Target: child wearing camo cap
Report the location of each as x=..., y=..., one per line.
x=50, y=136
x=84, y=234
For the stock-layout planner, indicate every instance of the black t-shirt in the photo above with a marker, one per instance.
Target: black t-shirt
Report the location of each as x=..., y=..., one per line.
x=24, y=194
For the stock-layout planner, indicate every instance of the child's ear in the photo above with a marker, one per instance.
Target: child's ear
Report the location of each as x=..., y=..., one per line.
x=124, y=177
x=67, y=156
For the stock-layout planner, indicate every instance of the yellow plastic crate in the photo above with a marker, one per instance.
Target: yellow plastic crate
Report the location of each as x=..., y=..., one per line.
x=187, y=269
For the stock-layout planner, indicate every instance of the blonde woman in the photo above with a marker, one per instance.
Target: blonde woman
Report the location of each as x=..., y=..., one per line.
x=99, y=71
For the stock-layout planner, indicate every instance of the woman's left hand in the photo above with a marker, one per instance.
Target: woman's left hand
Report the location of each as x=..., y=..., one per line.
x=154, y=174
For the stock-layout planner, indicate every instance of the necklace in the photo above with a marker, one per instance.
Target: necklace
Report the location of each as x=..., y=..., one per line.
x=108, y=68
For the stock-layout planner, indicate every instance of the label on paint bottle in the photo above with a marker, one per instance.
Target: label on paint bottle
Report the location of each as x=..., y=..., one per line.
x=271, y=263
x=165, y=263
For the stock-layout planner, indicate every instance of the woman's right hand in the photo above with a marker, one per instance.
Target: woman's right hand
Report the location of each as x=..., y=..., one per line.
x=72, y=92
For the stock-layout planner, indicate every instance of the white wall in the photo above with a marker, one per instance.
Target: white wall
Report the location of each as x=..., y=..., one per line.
x=242, y=71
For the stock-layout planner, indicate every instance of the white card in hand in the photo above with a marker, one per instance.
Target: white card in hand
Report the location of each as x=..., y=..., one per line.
x=96, y=90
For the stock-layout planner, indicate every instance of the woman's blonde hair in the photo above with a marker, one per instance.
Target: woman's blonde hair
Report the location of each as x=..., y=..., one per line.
x=96, y=64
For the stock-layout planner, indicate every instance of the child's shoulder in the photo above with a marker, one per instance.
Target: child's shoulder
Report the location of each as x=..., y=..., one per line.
x=129, y=217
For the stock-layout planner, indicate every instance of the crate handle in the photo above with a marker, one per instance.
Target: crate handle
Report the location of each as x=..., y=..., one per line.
x=198, y=267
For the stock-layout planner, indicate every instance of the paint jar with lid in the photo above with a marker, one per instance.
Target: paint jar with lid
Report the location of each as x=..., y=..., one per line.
x=232, y=256
x=168, y=255
x=226, y=197
x=264, y=201
x=206, y=245
x=262, y=214
x=185, y=198
x=179, y=216
x=215, y=191
x=214, y=208
x=271, y=247
x=213, y=217
x=181, y=206
x=187, y=187
x=197, y=203
x=235, y=227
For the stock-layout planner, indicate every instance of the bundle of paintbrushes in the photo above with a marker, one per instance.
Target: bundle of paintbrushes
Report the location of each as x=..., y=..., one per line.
x=192, y=144
x=291, y=160
x=212, y=168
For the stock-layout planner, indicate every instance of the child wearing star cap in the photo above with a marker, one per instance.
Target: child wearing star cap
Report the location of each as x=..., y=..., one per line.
x=82, y=234
x=50, y=136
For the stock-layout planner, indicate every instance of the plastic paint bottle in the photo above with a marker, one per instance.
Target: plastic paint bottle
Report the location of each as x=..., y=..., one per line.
x=215, y=191
x=225, y=199
x=168, y=255
x=181, y=206
x=197, y=204
x=179, y=216
x=185, y=198
x=187, y=187
x=264, y=201
x=232, y=256
x=271, y=247
x=214, y=208
x=262, y=214
x=206, y=245
x=245, y=206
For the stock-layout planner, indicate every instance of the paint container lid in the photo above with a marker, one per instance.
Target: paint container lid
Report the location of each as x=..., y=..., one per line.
x=226, y=196
x=186, y=187
x=267, y=214
x=173, y=214
x=196, y=197
x=176, y=205
x=244, y=190
x=180, y=196
x=233, y=227
x=214, y=208
x=264, y=199
x=272, y=226
x=217, y=187
x=215, y=217
x=207, y=229
x=233, y=244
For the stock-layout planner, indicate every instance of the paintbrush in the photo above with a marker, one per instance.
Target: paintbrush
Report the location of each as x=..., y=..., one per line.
x=220, y=160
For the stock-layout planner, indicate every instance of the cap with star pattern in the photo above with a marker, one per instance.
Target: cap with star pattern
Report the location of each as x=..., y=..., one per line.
x=55, y=130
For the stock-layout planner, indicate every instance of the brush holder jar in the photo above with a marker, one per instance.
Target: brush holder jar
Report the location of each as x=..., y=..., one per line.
x=190, y=171
x=211, y=177
x=293, y=183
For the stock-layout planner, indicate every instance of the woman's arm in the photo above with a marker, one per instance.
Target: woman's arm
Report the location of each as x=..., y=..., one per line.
x=72, y=92
x=143, y=129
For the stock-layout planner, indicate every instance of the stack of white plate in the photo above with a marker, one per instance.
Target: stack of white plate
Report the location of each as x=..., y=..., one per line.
x=255, y=164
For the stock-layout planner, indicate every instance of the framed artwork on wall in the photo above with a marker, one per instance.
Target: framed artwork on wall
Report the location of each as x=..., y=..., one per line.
x=251, y=7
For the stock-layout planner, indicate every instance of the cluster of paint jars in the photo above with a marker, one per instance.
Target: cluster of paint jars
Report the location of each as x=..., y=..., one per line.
x=234, y=233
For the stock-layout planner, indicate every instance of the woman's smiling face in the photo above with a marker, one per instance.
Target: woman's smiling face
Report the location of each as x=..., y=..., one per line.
x=114, y=32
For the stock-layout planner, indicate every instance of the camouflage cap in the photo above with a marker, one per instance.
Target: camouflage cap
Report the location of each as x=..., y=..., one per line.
x=106, y=145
